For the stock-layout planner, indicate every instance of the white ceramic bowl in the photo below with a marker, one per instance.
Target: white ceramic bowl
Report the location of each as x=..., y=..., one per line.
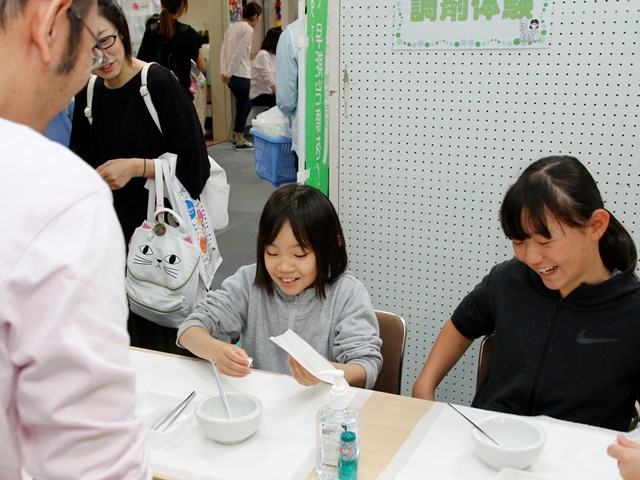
x=521, y=442
x=246, y=411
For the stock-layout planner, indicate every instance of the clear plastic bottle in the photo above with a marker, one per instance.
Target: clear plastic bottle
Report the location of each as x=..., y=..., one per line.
x=331, y=421
x=349, y=456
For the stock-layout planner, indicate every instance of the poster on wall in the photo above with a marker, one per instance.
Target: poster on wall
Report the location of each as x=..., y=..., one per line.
x=137, y=13
x=471, y=24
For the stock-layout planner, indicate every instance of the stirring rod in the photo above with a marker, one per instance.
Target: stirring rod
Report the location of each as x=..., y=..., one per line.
x=471, y=422
x=219, y=382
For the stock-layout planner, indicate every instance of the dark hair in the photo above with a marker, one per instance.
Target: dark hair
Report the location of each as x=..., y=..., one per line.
x=562, y=187
x=166, y=25
x=315, y=225
x=9, y=9
x=110, y=10
x=270, y=41
x=250, y=10
x=70, y=55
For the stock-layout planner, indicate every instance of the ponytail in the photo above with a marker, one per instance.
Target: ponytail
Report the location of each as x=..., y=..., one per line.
x=617, y=249
x=165, y=24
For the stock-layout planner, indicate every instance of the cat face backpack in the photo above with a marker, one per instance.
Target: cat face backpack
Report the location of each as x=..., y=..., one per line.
x=170, y=266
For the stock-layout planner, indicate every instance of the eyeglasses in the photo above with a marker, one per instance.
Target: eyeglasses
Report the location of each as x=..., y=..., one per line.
x=98, y=59
x=106, y=42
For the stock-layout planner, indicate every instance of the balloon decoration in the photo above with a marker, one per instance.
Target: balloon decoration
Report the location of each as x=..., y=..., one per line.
x=278, y=14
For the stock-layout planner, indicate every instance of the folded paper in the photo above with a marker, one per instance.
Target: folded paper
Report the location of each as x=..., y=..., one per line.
x=312, y=361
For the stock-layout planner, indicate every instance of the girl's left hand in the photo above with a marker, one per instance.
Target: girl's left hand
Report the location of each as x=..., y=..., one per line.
x=118, y=172
x=627, y=453
x=302, y=375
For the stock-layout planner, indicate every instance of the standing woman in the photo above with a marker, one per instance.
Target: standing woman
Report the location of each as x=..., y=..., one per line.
x=173, y=44
x=123, y=138
x=235, y=67
x=263, y=71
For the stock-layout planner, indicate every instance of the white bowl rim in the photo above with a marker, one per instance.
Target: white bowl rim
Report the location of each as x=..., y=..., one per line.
x=479, y=436
x=256, y=412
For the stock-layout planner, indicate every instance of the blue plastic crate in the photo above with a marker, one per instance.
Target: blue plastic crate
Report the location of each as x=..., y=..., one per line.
x=275, y=162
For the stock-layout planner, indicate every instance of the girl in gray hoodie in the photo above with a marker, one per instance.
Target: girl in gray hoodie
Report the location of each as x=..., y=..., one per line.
x=300, y=283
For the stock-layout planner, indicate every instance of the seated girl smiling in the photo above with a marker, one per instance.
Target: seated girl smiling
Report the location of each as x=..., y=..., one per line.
x=300, y=283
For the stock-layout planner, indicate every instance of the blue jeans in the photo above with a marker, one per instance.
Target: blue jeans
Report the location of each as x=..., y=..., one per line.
x=240, y=87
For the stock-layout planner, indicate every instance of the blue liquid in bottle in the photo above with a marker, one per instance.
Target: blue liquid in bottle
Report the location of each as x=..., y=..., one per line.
x=348, y=459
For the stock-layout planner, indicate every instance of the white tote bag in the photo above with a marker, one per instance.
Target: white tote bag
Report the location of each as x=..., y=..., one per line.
x=197, y=222
x=164, y=278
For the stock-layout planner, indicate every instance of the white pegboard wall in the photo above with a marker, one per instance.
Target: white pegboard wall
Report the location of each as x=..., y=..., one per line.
x=431, y=140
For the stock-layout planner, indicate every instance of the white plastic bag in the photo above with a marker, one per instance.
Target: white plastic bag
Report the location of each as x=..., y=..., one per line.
x=272, y=123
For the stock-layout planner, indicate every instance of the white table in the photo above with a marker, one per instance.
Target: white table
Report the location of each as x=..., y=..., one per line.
x=401, y=437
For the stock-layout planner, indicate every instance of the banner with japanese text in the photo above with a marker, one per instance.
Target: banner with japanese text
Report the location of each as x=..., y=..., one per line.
x=473, y=24
x=316, y=151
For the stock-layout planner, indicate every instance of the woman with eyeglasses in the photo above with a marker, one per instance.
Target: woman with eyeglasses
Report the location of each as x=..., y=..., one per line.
x=122, y=138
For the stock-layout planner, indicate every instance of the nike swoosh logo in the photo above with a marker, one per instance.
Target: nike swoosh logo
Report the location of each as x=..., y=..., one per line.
x=584, y=340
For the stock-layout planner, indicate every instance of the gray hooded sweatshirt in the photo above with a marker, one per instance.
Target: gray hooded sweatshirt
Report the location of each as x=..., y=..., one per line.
x=342, y=327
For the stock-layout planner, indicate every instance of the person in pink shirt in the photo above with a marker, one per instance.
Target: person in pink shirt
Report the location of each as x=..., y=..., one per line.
x=67, y=394
x=235, y=67
x=263, y=71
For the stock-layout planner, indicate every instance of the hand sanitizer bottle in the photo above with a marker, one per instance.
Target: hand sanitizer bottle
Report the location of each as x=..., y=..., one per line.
x=331, y=421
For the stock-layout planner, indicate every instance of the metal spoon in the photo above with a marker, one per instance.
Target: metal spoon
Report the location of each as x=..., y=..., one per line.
x=219, y=382
x=468, y=420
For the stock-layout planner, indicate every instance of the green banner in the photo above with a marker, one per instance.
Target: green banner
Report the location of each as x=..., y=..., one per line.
x=316, y=152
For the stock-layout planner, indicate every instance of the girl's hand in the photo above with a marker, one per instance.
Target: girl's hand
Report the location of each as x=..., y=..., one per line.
x=302, y=375
x=627, y=453
x=118, y=172
x=233, y=361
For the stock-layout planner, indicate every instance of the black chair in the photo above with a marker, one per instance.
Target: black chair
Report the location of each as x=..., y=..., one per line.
x=486, y=353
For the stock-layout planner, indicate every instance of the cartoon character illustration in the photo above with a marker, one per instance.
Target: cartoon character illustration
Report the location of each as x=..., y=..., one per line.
x=529, y=30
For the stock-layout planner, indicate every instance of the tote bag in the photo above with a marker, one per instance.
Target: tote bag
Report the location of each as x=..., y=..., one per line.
x=166, y=265
x=195, y=214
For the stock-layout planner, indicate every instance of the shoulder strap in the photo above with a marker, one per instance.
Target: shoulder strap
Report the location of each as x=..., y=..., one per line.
x=87, y=110
x=146, y=96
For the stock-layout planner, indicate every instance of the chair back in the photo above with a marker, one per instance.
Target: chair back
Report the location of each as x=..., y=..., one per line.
x=486, y=353
x=393, y=333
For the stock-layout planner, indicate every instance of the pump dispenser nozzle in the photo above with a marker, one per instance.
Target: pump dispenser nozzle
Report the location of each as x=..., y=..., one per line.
x=338, y=398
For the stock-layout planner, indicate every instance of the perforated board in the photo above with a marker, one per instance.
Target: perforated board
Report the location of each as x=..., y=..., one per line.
x=430, y=141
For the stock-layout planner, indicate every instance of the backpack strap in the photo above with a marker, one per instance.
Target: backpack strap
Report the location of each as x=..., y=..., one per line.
x=144, y=93
x=87, y=110
x=146, y=96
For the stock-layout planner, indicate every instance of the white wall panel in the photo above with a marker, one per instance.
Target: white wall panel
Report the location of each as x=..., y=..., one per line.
x=431, y=140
